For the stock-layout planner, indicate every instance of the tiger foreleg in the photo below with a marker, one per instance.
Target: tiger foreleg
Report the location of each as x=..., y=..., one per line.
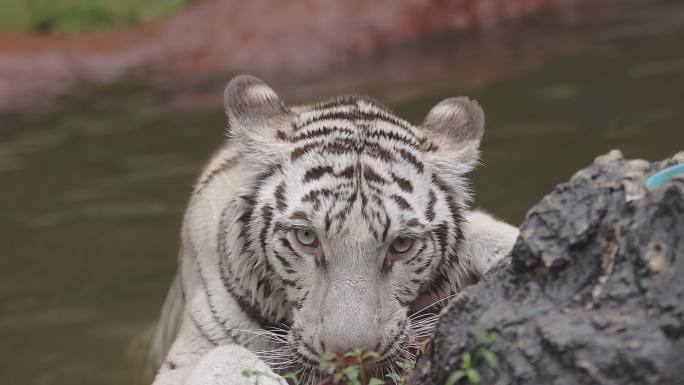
x=232, y=365
x=223, y=365
x=202, y=355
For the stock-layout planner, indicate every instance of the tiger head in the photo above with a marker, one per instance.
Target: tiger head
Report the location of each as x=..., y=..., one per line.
x=350, y=217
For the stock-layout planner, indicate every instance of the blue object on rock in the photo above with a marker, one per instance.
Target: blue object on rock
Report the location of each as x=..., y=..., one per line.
x=660, y=178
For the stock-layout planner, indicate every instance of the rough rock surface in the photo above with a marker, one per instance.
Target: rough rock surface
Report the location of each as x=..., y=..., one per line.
x=594, y=293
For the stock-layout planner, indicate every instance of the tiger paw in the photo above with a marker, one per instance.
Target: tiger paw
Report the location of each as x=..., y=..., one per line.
x=232, y=365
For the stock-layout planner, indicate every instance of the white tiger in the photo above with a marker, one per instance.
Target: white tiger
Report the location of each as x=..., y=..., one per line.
x=322, y=229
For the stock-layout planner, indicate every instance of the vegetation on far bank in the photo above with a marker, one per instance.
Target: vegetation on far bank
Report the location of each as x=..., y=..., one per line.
x=76, y=16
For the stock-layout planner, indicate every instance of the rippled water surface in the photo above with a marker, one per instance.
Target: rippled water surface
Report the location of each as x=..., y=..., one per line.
x=93, y=191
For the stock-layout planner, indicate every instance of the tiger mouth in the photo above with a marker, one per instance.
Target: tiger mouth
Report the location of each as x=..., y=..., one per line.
x=306, y=362
x=400, y=350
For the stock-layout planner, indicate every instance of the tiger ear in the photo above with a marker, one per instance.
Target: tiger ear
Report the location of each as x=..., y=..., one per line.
x=455, y=126
x=255, y=117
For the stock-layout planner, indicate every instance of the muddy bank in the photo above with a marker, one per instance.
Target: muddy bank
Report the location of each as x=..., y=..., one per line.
x=296, y=39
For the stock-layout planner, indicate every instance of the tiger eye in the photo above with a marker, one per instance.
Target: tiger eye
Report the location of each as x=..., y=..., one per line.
x=401, y=245
x=306, y=237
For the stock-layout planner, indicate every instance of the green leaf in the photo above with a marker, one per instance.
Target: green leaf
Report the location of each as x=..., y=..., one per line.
x=369, y=355
x=291, y=376
x=491, y=359
x=376, y=381
x=407, y=366
x=455, y=377
x=328, y=363
x=492, y=338
x=358, y=353
x=480, y=333
x=466, y=361
x=352, y=372
x=473, y=376
x=394, y=376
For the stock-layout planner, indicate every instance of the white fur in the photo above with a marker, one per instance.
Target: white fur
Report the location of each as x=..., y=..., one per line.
x=487, y=240
x=212, y=340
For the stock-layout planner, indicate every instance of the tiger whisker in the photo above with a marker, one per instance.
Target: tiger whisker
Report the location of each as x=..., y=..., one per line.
x=432, y=304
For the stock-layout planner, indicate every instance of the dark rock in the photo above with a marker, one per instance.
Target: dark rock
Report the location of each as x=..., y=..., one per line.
x=593, y=293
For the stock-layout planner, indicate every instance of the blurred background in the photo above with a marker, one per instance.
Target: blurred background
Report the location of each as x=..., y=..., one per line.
x=109, y=108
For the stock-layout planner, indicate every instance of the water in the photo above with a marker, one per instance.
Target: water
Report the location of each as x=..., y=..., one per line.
x=93, y=191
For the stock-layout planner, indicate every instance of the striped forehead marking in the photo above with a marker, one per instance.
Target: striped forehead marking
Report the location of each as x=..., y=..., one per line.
x=356, y=142
x=352, y=109
x=356, y=125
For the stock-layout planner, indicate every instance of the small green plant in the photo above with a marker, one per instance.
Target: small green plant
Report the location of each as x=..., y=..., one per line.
x=406, y=369
x=349, y=369
x=470, y=362
x=291, y=378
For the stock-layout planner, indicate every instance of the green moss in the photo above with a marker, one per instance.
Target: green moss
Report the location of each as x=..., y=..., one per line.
x=73, y=16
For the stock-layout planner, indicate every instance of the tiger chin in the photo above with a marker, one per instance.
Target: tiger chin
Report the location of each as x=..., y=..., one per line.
x=322, y=229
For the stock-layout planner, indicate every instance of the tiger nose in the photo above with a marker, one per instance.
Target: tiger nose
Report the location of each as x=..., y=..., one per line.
x=350, y=315
x=345, y=336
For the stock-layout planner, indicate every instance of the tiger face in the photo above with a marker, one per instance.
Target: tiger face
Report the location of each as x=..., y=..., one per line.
x=350, y=217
